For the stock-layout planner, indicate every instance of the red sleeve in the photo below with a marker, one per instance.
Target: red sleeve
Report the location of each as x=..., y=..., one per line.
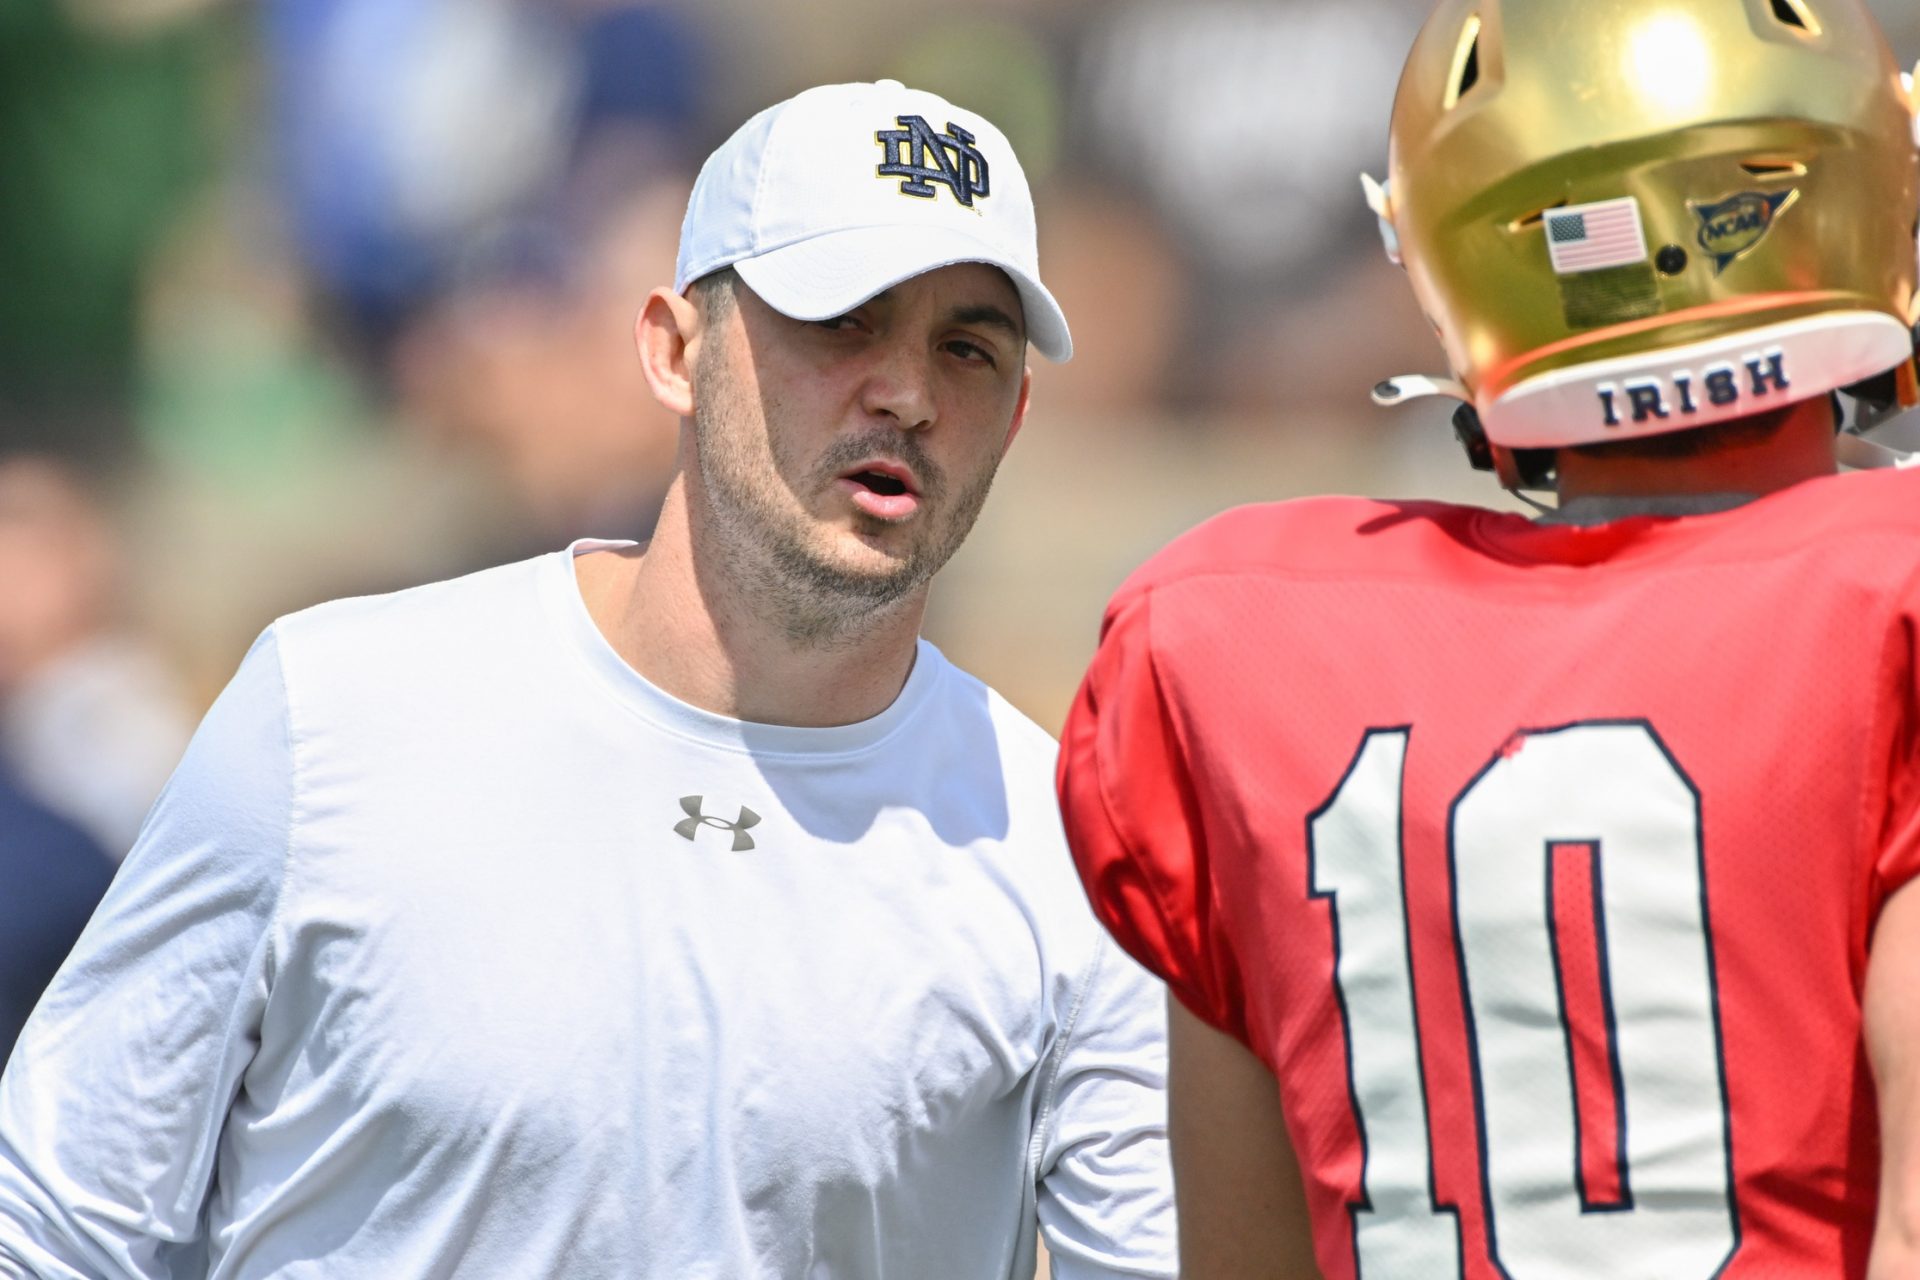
x=1898, y=860
x=1135, y=824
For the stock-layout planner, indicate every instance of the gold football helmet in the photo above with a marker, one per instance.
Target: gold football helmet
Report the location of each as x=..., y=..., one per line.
x=1627, y=217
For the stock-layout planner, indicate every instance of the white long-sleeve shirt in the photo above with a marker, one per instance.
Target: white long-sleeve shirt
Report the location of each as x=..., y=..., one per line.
x=454, y=948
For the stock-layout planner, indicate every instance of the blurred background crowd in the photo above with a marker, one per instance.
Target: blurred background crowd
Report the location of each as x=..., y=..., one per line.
x=308, y=298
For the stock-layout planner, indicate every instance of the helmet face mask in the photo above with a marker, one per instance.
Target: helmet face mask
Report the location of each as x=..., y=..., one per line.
x=1644, y=216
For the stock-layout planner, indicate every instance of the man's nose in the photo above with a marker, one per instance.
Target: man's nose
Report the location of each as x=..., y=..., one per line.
x=899, y=385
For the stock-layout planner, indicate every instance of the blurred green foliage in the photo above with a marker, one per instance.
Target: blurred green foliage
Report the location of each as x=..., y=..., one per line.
x=102, y=135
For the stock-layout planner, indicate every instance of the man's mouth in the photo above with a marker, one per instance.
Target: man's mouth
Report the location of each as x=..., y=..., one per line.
x=882, y=483
x=882, y=489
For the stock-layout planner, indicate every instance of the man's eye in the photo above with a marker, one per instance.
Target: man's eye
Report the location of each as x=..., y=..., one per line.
x=972, y=351
x=838, y=324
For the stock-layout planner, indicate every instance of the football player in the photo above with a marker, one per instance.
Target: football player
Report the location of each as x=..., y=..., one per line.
x=1534, y=891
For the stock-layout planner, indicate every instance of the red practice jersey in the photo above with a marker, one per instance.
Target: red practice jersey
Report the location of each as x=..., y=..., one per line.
x=1538, y=863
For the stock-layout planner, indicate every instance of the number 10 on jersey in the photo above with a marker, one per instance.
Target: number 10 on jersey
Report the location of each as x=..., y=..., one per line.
x=1606, y=798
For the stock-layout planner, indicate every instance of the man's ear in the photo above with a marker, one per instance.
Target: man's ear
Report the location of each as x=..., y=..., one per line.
x=666, y=335
x=1019, y=409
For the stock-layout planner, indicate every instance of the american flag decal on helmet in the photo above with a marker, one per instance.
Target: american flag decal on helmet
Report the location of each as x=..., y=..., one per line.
x=1593, y=237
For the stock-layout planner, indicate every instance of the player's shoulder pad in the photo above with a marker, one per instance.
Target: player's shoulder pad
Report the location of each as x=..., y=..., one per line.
x=1321, y=533
x=1877, y=499
x=1868, y=511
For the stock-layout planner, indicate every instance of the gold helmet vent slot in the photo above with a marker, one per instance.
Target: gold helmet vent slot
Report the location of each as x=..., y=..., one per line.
x=1774, y=168
x=1534, y=219
x=1796, y=14
x=1466, y=64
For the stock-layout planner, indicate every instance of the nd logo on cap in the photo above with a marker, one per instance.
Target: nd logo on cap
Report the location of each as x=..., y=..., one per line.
x=957, y=163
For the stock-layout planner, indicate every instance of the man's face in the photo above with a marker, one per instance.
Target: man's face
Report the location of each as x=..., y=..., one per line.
x=849, y=457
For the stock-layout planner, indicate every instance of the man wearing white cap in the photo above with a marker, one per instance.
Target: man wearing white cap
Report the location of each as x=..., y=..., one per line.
x=666, y=911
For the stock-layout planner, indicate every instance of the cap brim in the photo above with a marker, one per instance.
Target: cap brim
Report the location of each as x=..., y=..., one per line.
x=830, y=275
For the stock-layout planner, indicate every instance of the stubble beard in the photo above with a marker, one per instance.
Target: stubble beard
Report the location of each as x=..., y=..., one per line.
x=783, y=564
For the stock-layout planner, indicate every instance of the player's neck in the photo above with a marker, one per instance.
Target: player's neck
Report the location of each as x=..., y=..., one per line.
x=672, y=613
x=1716, y=478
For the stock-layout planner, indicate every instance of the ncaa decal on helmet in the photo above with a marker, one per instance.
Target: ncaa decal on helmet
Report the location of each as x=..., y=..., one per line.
x=1631, y=217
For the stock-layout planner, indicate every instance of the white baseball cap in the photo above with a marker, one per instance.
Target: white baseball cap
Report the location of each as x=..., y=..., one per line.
x=844, y=191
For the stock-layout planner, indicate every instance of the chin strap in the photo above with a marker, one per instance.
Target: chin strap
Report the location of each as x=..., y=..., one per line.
x=1854, y=451
x=1419, y=386
x=1466, y=419
x=1876, y=402
x=1865, y=455
x=1910, y=81
x=1520, y=471
x=1380, y=200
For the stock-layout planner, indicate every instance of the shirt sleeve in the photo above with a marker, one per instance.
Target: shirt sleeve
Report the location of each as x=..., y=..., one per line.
x=1135, y=825
x=1897, y=850
x=112, y=1105
x=55, y=875
x=1105, y=1198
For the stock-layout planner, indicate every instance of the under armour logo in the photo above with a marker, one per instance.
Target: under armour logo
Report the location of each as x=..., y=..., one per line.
x=920, y=157
x=696, y=819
